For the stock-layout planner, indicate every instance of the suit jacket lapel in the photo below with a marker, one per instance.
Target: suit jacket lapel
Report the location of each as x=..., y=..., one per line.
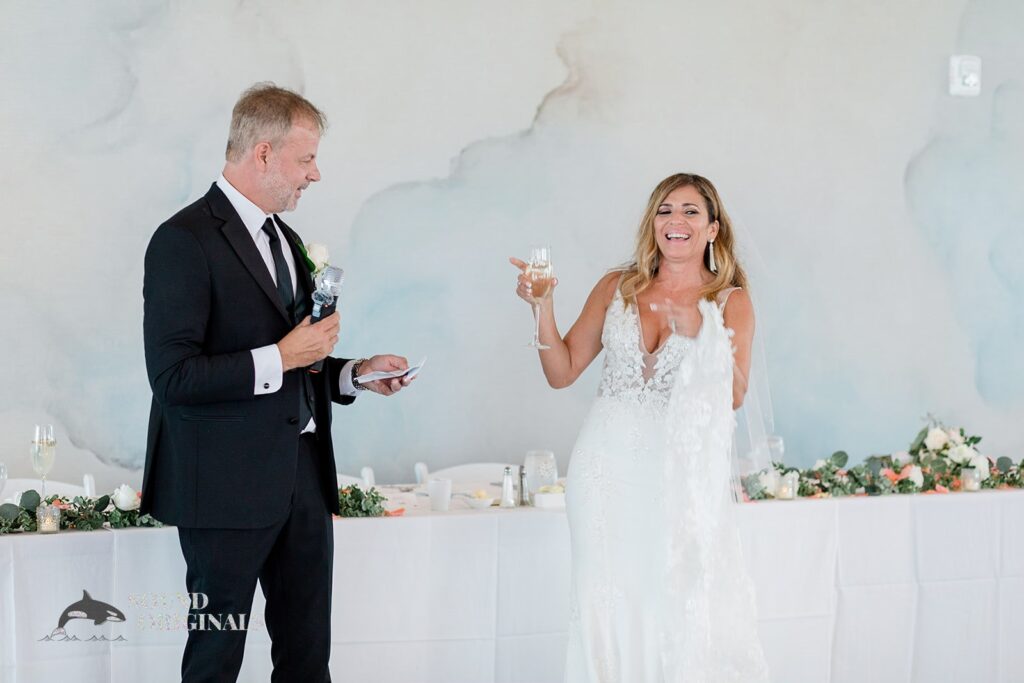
x=241, y=241
x=300, y=262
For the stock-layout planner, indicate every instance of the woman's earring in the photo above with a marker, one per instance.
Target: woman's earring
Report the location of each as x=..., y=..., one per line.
x=711, y=257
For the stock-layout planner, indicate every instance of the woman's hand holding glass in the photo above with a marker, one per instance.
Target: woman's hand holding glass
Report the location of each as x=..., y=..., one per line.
x=535, y=283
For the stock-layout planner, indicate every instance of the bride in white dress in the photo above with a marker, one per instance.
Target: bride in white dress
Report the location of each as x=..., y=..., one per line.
x=660, y=593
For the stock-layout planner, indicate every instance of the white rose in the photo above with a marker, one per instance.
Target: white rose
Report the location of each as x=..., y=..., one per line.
x=901, y=458
x=125, y=498
x=980, y=463
x=769, y=480
x=318, y=255
x=955, y=436
x=936, y=439
x=916, y=475
x=962, y=454
x=818, y=464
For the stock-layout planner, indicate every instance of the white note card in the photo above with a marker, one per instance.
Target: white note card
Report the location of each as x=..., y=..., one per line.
x=411, y=372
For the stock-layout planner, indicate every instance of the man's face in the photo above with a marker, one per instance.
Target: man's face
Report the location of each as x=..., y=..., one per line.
x=291, y=166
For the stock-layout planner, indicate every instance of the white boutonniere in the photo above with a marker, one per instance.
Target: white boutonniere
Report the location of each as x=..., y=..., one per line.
x=316, y=256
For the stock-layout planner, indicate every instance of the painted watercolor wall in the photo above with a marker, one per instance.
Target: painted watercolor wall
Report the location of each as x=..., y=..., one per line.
x=880, y=218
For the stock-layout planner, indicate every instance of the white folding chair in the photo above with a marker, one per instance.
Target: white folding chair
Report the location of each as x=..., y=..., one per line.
x=368, y=477
x=59, y=488
x=364, y=482
x=477, y=472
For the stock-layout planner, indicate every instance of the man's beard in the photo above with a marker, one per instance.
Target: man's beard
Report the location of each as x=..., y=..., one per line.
x=283, y=195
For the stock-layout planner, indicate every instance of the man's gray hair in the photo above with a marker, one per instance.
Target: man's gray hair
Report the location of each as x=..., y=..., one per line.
x=265, y=113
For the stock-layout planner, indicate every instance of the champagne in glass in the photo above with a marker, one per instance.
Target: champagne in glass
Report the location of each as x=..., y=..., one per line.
x=44, y=451
x=541, y=275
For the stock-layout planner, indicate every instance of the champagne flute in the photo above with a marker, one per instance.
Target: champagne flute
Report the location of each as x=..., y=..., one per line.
x=44, y=450
x=539, y=270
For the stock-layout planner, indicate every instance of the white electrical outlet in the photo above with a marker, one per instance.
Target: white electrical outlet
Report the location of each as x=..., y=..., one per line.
x=965, y=75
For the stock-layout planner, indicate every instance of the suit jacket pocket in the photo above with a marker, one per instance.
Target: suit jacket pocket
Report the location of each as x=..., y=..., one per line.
x=191, y=417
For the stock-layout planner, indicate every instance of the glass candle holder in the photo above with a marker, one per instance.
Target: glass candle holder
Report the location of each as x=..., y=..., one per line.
x=789, y=484
x=970, y=479
x=48, y=519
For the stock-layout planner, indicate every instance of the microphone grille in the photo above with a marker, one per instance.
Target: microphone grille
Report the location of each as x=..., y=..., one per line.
x=332, y=278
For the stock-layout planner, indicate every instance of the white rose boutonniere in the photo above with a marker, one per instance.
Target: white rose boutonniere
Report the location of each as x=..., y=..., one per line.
x=125, y=498
x=936, y=439
x=317, y=257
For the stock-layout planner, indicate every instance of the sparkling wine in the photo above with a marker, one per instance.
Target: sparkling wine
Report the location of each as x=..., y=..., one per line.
x=43, y=454
x=540, y=279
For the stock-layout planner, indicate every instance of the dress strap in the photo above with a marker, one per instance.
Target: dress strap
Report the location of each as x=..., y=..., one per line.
x=723, y=297
x=617, y=296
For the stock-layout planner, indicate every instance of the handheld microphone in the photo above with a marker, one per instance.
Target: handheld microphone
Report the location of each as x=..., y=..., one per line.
x=327, y=292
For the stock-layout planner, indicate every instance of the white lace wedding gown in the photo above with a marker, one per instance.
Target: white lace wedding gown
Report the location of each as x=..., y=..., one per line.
x=660, y=593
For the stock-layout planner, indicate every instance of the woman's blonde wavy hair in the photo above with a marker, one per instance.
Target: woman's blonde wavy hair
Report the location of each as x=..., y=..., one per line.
x=639, y=274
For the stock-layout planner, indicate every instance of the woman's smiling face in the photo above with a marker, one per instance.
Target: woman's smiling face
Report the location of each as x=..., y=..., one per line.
x=682, y=226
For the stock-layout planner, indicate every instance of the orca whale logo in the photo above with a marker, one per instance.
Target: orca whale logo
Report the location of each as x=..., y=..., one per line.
x=87, y=608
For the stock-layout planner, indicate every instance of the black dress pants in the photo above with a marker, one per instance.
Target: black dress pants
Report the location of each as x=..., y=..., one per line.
x=292, y=560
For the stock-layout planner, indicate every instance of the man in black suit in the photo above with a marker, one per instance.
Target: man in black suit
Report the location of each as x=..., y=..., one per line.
x=239, y=455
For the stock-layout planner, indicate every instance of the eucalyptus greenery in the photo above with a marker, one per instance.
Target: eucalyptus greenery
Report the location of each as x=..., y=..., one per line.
x=923, y=468
x=81, y=512
x=354, y=502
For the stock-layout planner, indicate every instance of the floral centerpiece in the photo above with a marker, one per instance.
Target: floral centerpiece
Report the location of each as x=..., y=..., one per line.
x=935, y=462
x=119, y=510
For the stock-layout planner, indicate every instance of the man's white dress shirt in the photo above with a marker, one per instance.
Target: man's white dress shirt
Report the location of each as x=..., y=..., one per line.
x=267, y=359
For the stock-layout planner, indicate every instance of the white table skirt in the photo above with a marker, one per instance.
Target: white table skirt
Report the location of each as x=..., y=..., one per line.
x=904, y=588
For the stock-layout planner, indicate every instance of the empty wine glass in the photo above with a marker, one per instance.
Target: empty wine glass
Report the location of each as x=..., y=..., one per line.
x=539, y=270
x=44, y=450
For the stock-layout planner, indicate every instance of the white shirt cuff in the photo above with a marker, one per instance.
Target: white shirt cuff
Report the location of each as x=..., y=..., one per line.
x=269, y=369
x=345, y=385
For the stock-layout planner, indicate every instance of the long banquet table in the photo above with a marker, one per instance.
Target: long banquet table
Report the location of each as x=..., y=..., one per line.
x=902, y=588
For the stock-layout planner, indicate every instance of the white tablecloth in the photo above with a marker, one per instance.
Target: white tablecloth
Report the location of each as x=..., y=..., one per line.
x=904, y=588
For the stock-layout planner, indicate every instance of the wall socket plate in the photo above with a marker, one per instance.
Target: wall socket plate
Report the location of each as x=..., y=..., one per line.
x=965, y=75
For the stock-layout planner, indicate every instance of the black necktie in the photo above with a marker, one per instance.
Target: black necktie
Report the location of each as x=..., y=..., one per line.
x=284, y=279
x=287, y=294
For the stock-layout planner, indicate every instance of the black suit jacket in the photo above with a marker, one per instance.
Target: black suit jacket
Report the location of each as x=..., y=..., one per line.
x=217, y=455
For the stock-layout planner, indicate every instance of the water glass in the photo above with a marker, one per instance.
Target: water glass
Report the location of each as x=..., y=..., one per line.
x=541, y=470
x=440, y=492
